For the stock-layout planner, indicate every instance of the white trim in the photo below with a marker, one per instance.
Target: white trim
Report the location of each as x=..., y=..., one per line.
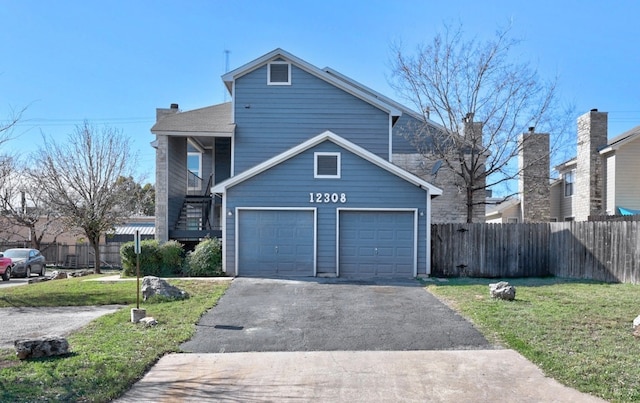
x=223, y=223
x=382, y=210
x=347, y=145
x=233, y=102
x=195, y=134
x=427, y=214
x=390, y=157
x=233, y=157
x=315, y=231
x=288, y=82
x=326, y=154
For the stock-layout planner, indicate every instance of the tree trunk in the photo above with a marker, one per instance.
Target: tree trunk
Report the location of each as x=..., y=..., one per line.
x=96, y=251
x=469, y=204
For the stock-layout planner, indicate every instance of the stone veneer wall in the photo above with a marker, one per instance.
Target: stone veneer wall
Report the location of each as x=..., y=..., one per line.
x=162, y=230
x=451, y=206
x=589, y=184
x=533, y=186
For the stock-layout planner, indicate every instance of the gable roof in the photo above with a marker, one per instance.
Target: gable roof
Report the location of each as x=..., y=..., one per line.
x=357, y=91
x=621, y=140
x=347, y=145
x=214, y=119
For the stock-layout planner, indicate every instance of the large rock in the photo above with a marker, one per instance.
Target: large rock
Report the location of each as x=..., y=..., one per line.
x=47, y=346
x=502, y=290
x=58, y=275
x=156, y=286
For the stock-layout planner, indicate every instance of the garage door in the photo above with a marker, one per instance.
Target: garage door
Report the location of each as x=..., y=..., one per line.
x=276, y=243
x=376, y=244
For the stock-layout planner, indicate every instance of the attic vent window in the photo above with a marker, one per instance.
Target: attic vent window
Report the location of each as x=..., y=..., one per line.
x=279, y=73
x=327, y=165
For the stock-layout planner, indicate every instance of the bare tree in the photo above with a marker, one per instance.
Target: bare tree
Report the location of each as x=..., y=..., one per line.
x=80, y=179
x=23, y=204
x=482, y=101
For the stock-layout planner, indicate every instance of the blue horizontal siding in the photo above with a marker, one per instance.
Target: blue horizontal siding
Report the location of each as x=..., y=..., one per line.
x=272, y=119
x=289, y=185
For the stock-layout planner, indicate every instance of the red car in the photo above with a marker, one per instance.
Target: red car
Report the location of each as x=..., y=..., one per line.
x=5, y=267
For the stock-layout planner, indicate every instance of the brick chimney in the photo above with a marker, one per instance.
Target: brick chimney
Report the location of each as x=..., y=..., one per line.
x=534, y=188
x=589, y=184
x=162, y=112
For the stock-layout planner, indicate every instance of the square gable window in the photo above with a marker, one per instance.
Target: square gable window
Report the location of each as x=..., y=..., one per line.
x=326, y=165
x=279, y=73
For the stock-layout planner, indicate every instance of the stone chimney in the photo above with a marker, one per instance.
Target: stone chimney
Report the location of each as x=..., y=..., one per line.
x=589, y=184
x=534, y=188
x=162, y=112
x=472, y=130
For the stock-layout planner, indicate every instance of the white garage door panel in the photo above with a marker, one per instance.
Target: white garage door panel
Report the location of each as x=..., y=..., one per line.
x=376, y=243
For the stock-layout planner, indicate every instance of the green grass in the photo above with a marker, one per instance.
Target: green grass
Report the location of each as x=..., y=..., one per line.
x=111, y=353
x=579, y=333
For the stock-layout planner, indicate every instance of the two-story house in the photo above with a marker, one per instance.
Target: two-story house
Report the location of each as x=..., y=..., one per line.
x=296, y=175
x=603, y=178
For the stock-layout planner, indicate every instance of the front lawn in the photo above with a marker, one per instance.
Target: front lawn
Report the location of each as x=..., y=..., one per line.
x=110, y=354
x=579, y=333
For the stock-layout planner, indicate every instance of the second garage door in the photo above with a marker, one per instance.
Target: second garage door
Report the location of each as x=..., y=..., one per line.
x=276, y=243
x=376, y=244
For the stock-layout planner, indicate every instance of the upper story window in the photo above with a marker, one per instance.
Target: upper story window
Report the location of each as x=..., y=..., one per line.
x=194, y=167
x=569, y=180
x=326, y=165
x=279, y=73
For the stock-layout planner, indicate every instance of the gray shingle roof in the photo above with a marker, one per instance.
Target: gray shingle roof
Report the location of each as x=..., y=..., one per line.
x=211, y=119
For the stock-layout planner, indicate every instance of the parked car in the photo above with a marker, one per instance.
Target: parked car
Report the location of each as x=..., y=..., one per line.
x=5, y=268
x=25, y=261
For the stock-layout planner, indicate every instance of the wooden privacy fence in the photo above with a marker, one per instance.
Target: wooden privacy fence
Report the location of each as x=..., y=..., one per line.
x=607, y=251
x=75, y=255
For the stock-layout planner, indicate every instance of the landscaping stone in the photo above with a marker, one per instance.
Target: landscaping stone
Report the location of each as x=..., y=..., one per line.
x=156, y=286
x=502, y=290
x=149, y=321
x=58, y=275
x=47, y=346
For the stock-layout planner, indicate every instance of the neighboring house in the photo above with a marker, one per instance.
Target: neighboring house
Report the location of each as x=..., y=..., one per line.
x=500, y=211
x=297, y=175
x=603, y=179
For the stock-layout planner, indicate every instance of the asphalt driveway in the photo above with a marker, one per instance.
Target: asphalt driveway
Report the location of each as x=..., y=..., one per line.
x=331, y=315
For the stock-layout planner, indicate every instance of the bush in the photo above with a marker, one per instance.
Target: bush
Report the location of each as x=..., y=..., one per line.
x=206, y=259
x=172, y=257
x=150, y=258
x=155, y=259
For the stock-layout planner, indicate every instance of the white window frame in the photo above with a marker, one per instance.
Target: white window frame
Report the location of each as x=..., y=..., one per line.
x=512, y=220
x=288, y=82
x=565, y=183
x=199, y=173
x=326, y=154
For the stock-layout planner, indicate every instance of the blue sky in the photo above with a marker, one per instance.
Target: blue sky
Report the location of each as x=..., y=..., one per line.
x=113, y=62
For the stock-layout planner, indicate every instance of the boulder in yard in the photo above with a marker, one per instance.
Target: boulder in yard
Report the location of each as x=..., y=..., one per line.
x=502, y=290
x=152, y=285
x=58, y=275
x=148, y=321
x=47, y=346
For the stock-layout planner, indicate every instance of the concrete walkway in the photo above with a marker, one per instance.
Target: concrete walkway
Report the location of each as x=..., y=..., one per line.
x=356, y=376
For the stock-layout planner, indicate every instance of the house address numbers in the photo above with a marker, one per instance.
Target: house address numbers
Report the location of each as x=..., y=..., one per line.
x=327, y=197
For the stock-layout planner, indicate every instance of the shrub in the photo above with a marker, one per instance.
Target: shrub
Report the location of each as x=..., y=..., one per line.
x=172, y=257
x=206, y=259
x=155, y=259
x=149, y=258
